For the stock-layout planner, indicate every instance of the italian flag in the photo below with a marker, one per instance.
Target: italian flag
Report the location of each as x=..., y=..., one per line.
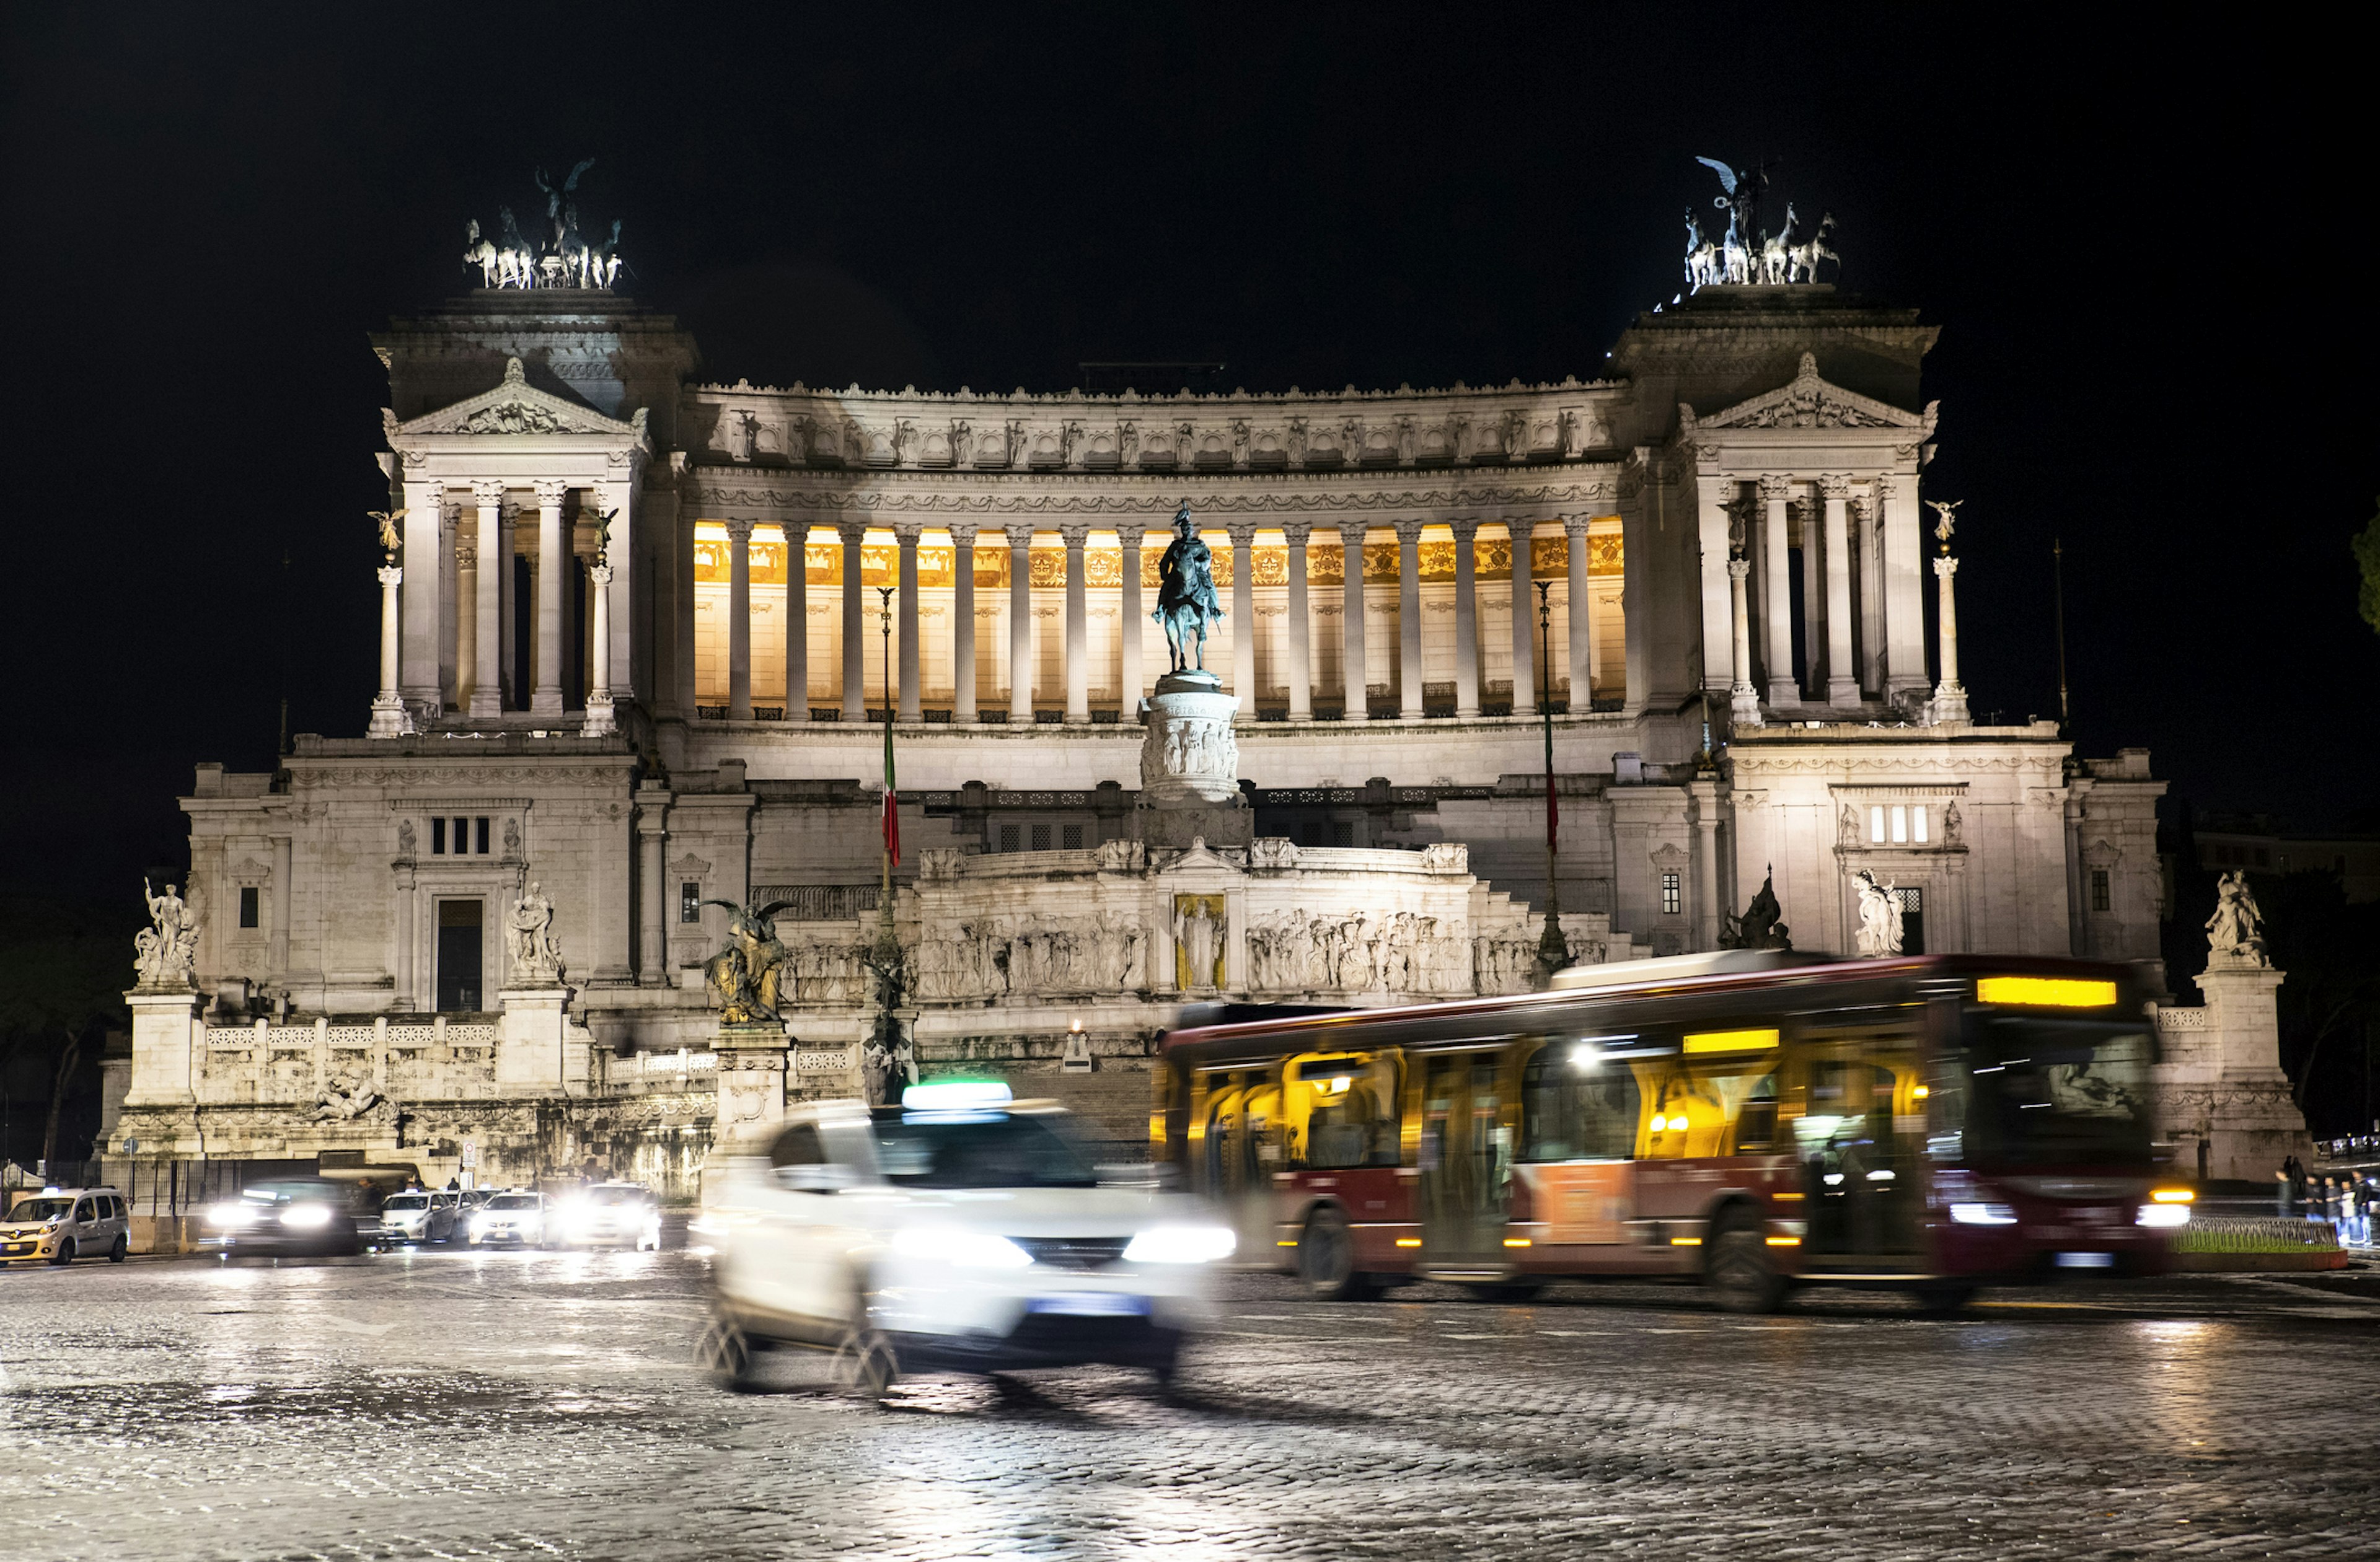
x=892, y=802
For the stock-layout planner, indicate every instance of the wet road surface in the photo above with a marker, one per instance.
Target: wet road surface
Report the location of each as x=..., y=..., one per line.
x=467, y=1405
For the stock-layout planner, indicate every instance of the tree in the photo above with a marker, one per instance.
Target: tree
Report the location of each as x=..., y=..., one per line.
x=62, y=971
x=2367, y=558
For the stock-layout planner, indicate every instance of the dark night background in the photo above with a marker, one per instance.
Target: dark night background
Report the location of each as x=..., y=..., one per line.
x=2143, y=245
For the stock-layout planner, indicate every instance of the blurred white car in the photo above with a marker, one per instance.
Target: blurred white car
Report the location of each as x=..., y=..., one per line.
x=608, y=1213
x=960, y=1232
x=514, y=1216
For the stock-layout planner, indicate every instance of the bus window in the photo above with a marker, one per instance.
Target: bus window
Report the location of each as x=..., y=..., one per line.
x=1577, y=1106
x=1340, y=1113
x=1700, y=1105
x=1755, y=1123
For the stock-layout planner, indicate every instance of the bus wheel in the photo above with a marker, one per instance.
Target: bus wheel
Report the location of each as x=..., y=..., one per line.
x=1326, y=1260
x=725, y=1355
x=1736, y=1268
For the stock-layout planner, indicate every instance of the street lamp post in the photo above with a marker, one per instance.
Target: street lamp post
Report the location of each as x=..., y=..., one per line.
x=1553, y=950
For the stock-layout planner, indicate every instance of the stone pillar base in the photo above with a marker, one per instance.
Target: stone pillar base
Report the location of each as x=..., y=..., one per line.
x=600, y=719
x=1743, y=707
x=388, y=718
x=751, y=1077
x=166, y=1039
x=531, y=1037
x=1948, y=707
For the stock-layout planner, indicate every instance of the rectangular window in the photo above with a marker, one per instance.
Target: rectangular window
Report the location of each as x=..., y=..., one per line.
x=1876, y=825
x=1900, y=826
x=1071, y=837
x=1917, y=824
x=480, y=835
x=1343, y=834
x=1040, y=837
x=2099, y=889
x=459, y=956
x=247, y=905
x=1671, y=901
x=2264, y=857
x=689, y=901
x=438, y=837
x=1008, y=837
x=462, y=835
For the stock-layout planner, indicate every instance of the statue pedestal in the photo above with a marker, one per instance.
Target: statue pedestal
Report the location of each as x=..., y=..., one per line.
x=530, y=1037
x=166, y=1036
x=751, y=1075
x=2221, y=1084
x=1190, y=767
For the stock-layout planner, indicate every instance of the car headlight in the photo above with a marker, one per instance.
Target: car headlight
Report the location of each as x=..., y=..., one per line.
x=2164, y=1215
x=1181, y=1245
x=479, y=1224
x=232, y=1215
x=966, y=1249
x=306, y=1216
x=1983, y=1215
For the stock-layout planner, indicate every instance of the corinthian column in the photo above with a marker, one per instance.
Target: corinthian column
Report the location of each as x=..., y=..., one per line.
x=1301, y=662
x=1408, y=702
x=1525, y=624
x=552, y=572
x=599, y=695
x=912, y=666
x=797, y=620
x=854, y=634
x=467, y=625
x=1777, y=593
x=1584, y=659
x=1020, y=624
x=1130, y=534
x=1078, y=635
x=1466, y=619
x=1950, y=695
x=388, y=714
x=484, y=608
x=963, y=623
x=1743, y=700
x=1243, y=618
x=1843, y=673
x=1351, y=624
x=739, y=621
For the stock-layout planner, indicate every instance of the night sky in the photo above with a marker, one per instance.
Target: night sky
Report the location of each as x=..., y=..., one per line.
x=2148, y=258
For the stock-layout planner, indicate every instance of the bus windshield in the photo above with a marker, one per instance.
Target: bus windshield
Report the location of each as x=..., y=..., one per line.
x=2051, y=1092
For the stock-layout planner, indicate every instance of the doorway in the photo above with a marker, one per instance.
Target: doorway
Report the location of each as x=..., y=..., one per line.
x=459, y=956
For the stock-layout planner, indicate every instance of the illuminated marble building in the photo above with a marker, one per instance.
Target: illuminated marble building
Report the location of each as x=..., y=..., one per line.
x=639, y=637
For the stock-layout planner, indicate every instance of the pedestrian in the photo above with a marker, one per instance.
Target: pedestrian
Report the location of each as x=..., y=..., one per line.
x=454, y=1184
x=2296, y=1169
x=2330, y=1201
x=2281, y=1193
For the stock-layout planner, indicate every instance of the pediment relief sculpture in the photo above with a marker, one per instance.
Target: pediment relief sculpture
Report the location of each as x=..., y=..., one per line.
x=1807, y=401
x=515, y=406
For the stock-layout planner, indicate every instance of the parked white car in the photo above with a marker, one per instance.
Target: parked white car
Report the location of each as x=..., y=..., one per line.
x=419, y=1216
x=960, y=1232
x=60, y=1225
x=515, y=1217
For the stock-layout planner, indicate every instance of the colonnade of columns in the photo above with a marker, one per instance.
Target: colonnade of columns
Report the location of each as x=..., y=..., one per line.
x=858, y=697
x=450, y=636
x=1861, y=617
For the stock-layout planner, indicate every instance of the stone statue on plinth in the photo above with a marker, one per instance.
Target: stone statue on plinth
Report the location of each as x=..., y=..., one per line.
x=165, y=954
x=1186, y=594
x=2235, y=934
x=529, y=935
x=743, y=978
x=1879, y=910
x=1761, y=926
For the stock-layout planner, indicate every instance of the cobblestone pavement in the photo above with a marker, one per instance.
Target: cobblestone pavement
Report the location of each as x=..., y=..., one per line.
x=445, y=1405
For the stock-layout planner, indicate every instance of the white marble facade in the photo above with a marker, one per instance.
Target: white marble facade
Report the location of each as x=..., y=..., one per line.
x=532, y=436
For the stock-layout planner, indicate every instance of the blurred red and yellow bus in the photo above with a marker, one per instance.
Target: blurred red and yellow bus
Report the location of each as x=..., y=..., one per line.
x=1752, y=1119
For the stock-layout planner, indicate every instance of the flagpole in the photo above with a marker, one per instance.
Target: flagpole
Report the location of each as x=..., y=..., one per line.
x=884, y=847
